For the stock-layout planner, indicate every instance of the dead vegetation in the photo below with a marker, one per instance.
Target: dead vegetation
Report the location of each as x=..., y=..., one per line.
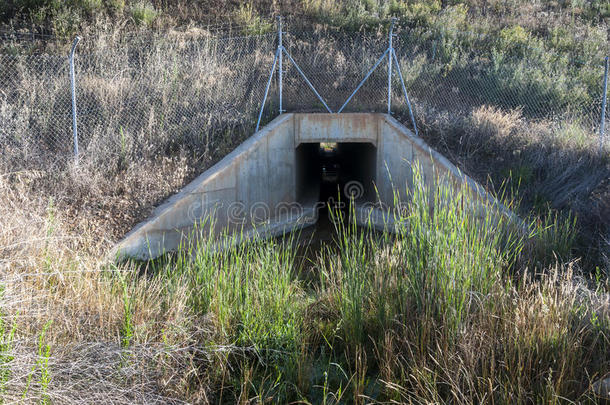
x=550, y=168
x=77, y=329
x=87, y=331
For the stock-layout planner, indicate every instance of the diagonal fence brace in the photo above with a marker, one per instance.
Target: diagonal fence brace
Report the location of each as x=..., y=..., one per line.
x=364, y=80
x=278, y=55
x=307, y=80
x=389, y=52
x=404, y=92
x=260, y=114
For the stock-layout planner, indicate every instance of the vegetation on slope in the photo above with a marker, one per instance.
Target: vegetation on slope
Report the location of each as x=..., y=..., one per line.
x=448, y=311
x=453, y=311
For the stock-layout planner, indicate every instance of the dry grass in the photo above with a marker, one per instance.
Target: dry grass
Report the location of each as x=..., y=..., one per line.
x=509, y=350
x=528, y=340
x=549, y=167
x=124, y=335
x=54, y=273
x=112, y=334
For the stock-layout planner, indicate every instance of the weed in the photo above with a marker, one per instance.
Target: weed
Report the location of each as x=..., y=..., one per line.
x=7, y=335
x=116, y=5
x=456, y=308
x=143, y=13
x=44, y=354
x=42, y=367
x=127, y=324
x=253, y=24
x=348, y=275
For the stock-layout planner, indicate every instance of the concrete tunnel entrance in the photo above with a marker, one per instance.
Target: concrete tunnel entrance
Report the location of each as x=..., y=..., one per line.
x=304, y=160
x=332, y=172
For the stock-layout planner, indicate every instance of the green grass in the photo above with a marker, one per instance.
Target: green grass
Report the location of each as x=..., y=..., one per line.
x=143, y=13
x=40, y=370
x=249, y=288
x=460, y=306
x=287, y=339
x=7, y=336
x=251, y=22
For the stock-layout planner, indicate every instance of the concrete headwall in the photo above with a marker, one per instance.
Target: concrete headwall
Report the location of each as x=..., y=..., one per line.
x=253, y=189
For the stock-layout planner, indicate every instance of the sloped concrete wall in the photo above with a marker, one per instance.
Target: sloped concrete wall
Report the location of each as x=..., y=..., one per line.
x=253, y=189
x=259, y=172
x=399, y=150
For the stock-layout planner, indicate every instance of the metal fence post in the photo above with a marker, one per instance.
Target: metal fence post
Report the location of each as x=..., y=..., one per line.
x=390, y=66
x=602, y=124
x=73, y=90
x=280, y=46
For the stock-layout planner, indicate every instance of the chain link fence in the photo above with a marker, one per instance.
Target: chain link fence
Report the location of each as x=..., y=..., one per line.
x=142, y=99
x=150, y=95
x=443, y=74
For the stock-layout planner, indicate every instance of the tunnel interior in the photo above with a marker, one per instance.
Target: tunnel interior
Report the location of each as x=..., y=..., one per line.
x=327, y=172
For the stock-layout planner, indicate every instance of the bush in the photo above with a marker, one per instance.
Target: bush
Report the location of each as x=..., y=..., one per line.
x=90, y=6
x=514, y=40
x=143, y=13
x=251, y=22
x=116, y=5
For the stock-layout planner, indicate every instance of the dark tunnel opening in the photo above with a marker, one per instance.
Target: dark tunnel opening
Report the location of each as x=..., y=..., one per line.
x=329, y=173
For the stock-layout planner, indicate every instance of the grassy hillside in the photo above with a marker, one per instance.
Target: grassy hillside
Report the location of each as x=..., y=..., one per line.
x=454, y=310
x=509, y=94
x=350, y=13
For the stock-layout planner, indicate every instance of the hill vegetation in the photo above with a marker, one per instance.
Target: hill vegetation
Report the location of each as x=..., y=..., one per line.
x=454, y=310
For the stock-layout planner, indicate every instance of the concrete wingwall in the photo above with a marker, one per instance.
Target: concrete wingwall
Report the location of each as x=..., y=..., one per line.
x=253, y=190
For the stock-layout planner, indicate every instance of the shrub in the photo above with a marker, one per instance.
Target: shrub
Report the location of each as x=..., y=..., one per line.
x=252, y=22
x=418, y=14
x=143, y=13
x=514, y=40
x=90, y=6
x=116, y=5
x=66, y=21
x=352, y=14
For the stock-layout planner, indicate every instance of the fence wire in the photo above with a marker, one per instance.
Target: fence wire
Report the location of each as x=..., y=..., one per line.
x=149, y=96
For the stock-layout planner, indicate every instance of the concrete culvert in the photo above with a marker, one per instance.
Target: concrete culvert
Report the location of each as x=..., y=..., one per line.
x=279, y=179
